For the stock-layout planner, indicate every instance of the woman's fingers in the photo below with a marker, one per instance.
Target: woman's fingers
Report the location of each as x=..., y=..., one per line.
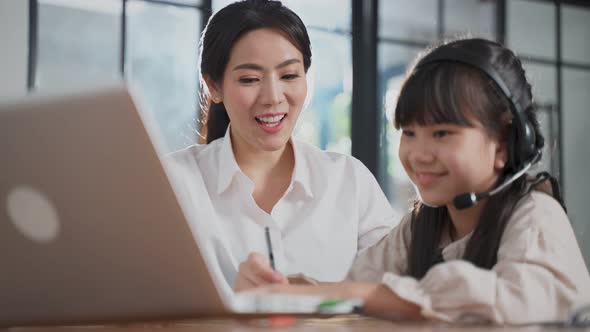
x=256, y=272
x=258, y=265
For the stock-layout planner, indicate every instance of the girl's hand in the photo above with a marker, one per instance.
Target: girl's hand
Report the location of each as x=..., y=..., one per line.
x=378, y=298
x=255, y=272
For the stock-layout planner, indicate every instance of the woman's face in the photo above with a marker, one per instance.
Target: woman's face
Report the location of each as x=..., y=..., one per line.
x=446, y=160
x=263, y=89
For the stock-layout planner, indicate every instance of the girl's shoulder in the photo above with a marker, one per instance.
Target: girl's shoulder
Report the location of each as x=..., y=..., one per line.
x=539, y=210
x=537, y=217
x=401, y=235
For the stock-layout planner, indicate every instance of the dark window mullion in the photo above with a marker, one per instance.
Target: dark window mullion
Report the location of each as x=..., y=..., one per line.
x=559, y=95
x=206, y=12
x=123, y=50
x=33, y=44
x=440, y=24
x=501, y=20
x=365, y=122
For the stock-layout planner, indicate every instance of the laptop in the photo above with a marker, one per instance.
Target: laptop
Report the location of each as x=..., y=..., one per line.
x=91, y=227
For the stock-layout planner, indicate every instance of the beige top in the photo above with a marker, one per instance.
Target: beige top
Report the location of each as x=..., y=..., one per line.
x=540, y=274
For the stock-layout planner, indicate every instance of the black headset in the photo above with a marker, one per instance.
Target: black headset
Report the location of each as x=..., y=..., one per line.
x=521, y=145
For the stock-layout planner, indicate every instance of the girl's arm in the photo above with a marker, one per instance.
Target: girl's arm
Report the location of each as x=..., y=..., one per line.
x=378, y=298
x=540, y=276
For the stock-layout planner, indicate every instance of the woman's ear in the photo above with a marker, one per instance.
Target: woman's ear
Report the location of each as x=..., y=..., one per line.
x=501, y=157
x=214, y=89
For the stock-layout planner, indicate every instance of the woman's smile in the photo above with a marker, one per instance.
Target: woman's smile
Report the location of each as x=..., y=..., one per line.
x=271, y=123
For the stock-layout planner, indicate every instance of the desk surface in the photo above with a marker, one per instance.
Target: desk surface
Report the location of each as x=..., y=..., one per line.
x=342, y=323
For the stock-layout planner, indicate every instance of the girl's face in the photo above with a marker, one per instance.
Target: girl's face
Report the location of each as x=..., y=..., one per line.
x=446, y=160
x=263, y=89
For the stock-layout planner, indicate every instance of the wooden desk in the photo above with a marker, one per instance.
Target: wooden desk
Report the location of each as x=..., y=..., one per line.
x=342, y=323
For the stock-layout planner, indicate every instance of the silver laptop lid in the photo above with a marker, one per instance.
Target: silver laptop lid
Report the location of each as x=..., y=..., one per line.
x=90, y=228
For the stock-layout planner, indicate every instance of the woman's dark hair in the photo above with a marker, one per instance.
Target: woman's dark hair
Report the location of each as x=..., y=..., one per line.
x=222, y=31
x=457, y=93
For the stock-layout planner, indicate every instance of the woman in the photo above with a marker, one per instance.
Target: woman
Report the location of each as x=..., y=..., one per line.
x=320, y=207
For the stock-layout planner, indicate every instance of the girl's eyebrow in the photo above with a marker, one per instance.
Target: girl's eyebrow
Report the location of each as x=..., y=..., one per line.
x=256, y=67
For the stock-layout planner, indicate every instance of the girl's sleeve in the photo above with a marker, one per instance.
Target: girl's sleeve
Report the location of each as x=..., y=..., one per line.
x=540, y=274
x=387, y=255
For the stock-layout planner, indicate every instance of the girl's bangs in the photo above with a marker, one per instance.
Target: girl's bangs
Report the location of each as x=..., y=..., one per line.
x=433, y=94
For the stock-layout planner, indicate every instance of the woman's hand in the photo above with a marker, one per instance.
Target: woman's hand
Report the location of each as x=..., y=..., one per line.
x=301, y=279
x=255, y=271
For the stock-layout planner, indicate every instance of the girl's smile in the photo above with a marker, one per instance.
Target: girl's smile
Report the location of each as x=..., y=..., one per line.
x=445, y=160
x=427, y=179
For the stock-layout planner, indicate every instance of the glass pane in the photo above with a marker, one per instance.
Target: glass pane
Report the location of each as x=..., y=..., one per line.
x=575, y=31
x=576, y=154
x=189, y=2
x=330, y=14
x=473, y=17
x=521, y=37
x=162, y=62
x=313, y=12
x=409, y=20
x=543, y=78
x=218, y=4
x=393, y=65
x=14, y=55
x=326, y=121
x=79, y=43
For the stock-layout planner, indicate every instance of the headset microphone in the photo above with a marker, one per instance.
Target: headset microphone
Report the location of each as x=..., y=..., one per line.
x=468, y=200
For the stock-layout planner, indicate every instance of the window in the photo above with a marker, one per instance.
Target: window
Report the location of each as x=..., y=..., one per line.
x=576, y=154
x=82, y=42
x=394, y=62
x=415, y=20
x=524, y=14
x=79, y=43
x=161, y=62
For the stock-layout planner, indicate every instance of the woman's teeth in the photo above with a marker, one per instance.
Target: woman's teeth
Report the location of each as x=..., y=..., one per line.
x=270, y=121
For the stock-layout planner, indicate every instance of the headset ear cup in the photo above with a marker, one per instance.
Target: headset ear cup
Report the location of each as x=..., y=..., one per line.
x=529, y=143
x=512, y=149
x=521, y=146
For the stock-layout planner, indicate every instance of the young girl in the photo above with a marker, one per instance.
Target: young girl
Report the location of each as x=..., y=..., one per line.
x=256, y=178
x=483, y=240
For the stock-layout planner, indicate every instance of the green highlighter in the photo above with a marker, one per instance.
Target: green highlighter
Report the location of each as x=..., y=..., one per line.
x=340, y=306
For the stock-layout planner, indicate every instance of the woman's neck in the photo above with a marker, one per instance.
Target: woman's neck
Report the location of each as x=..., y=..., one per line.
x=259, y=165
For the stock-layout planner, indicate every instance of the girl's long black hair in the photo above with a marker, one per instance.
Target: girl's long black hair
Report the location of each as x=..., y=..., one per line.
x=222, y=31
x=452, y=92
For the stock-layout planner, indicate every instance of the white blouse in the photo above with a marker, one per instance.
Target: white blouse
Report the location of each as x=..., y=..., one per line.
x=332, y=209
x=540, y=274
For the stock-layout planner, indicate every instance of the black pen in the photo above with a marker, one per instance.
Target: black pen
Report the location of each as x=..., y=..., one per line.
x=271, y=257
